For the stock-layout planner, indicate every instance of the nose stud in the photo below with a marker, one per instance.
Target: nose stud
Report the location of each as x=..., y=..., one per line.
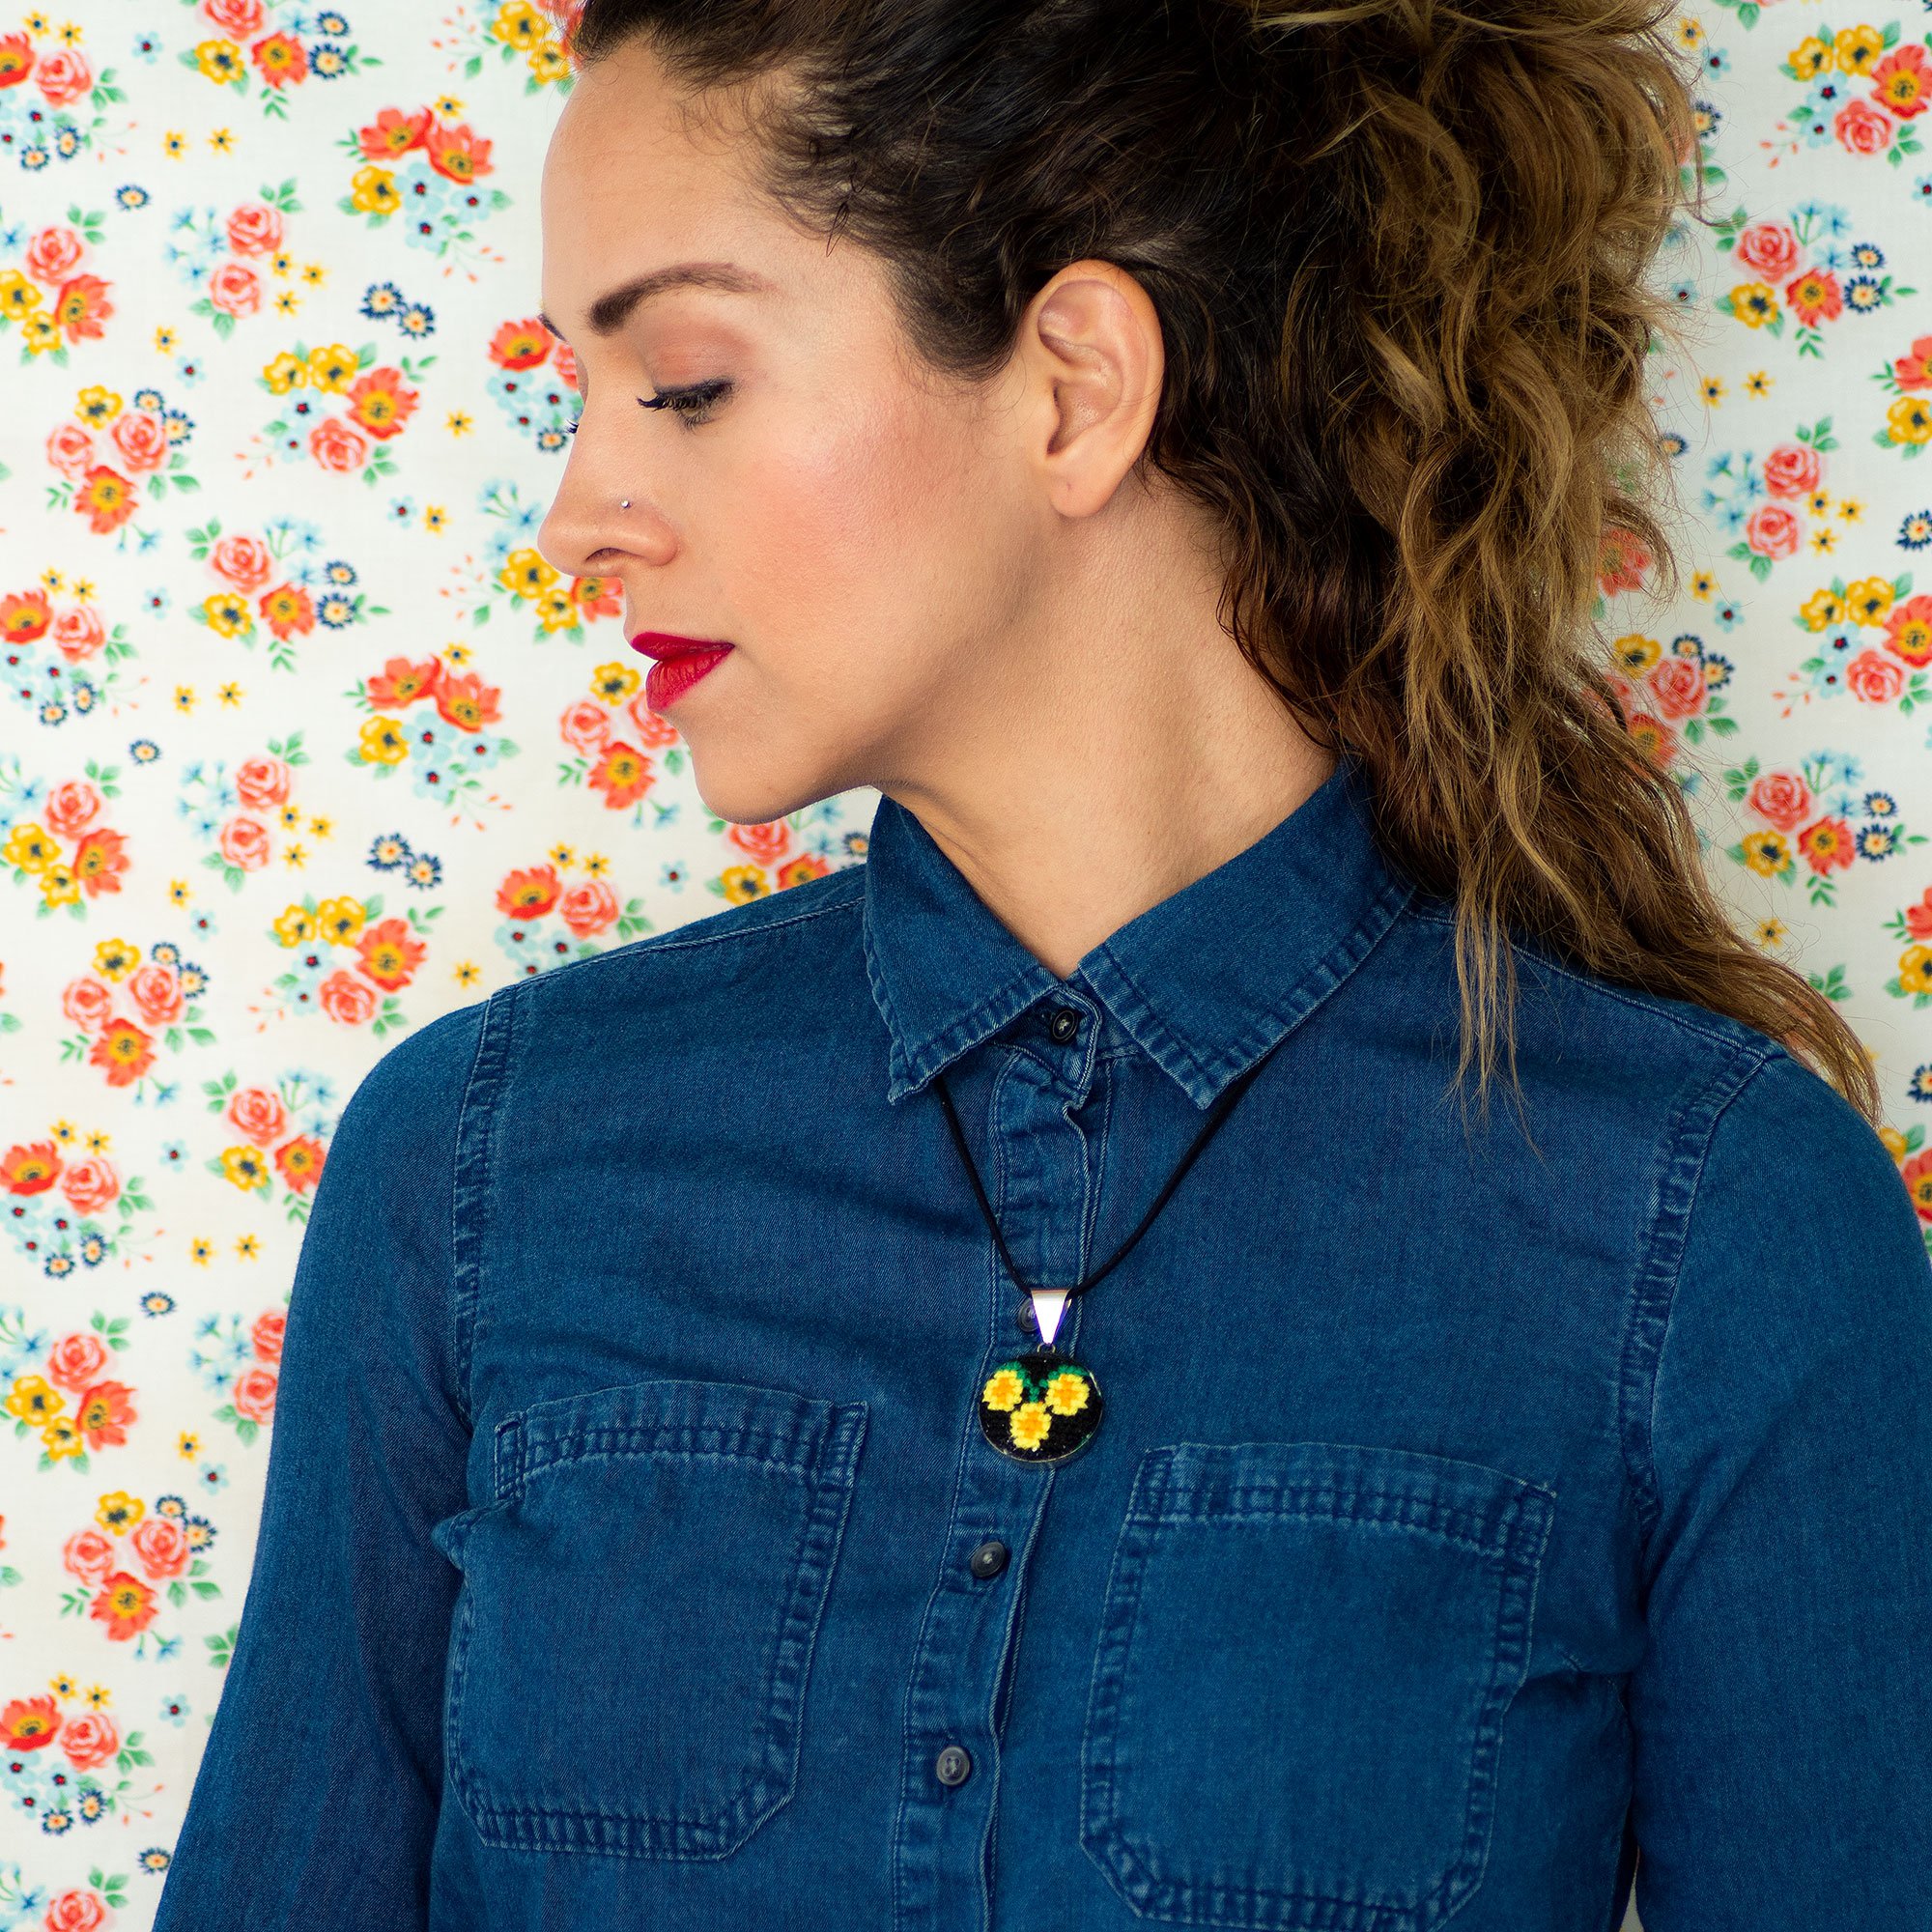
x=625, y=504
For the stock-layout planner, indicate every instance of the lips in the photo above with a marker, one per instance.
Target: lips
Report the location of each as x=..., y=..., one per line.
x=680, y=663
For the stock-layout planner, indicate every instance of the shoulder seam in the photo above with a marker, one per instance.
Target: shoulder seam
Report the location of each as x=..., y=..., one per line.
x=1609, y=988
x=471, y=1159
x=670, y=942
x=1684, y=1155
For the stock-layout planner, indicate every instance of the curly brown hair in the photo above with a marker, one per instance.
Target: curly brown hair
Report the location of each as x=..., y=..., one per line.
x=1399, y=251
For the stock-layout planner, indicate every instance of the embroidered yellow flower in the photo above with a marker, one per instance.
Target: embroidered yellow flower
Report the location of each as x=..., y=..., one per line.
x=1003, y=1390
x=1066, y=1392
x=1029, y=1425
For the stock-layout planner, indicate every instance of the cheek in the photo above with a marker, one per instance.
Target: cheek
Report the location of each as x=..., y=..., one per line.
x=853, y=534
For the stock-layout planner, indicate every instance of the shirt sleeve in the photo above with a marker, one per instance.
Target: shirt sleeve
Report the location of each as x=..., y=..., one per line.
x=1783, y=1707
x=316, y=1798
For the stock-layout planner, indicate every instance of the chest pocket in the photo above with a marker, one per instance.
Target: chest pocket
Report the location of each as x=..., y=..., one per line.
x=1304, y=1657
x=634, y=1637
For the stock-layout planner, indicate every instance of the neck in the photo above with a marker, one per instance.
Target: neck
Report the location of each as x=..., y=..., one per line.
x=1129, y=759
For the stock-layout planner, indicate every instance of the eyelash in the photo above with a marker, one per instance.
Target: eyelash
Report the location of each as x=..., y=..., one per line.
x=693, y=405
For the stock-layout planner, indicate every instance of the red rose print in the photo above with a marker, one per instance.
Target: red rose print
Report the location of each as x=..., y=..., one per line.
x=266, y=1334
x=87, y=1003
x=53, y=255
x=254, y=1393
x=71, y=449
x=258, y=1112
x=1770, y=248
x=348, y=998
x=1781, y=799
x=586, y=726
x=564, y=361
x=244, y=561
x=78, y=633
x=651, y=728
x=89, y=1184
x=88, y=1554
x=1793, y=470
x=238, y=19
x=763, y=842
x=142, y=439
x=1862, y=129
x=77, y=1360
x=72, y=807
x=63, y=75
x=90, y=1737
x=262, y=781
x=244, y=843
x=160, y=1548
x=234, y=289
x=1772, y=530
x=156, y=990
x=1874, y=678
x=255, y=229
x=588, y=907
x=336, y=447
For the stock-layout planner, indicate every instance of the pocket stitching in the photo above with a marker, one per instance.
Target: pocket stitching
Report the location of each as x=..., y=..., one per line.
x=1519, y=1527
x=830, y=1435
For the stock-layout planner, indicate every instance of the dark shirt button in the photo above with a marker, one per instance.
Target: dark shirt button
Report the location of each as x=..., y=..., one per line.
x=1063, y=1024
x=953, y=1765
x=1028, y=1320
x=989, y=1559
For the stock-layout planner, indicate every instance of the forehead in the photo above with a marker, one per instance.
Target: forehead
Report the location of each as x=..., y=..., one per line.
x=631, y=182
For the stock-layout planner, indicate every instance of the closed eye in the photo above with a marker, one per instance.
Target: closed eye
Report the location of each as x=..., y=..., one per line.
x=694, y=404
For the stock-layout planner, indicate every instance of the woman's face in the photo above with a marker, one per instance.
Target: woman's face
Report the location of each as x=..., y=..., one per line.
x=867, y=537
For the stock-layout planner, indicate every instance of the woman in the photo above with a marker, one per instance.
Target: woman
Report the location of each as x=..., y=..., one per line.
x=1406, y=1513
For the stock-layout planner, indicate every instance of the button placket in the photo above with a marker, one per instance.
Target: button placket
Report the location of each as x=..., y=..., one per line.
x=943, y=1831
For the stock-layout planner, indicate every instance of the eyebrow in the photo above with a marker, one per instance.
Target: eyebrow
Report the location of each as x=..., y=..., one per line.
x=609, y=312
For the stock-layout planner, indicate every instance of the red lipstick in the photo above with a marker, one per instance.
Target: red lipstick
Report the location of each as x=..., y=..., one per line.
x=680, y=663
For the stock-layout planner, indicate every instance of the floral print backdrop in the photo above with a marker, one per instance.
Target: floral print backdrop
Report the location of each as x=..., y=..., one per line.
x=302, y=743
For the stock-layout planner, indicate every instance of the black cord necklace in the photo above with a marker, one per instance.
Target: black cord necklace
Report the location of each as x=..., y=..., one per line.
x=1042, y=1405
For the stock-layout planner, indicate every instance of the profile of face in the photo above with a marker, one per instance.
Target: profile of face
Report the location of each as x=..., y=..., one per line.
x=892, y=555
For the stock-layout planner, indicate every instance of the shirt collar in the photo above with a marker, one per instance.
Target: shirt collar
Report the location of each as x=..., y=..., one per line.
x=1205, y=981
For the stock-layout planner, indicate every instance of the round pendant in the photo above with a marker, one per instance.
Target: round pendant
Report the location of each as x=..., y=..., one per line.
x=1042, y=1406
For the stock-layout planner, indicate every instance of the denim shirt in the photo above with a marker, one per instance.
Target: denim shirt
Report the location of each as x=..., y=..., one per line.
x=1480, y=1510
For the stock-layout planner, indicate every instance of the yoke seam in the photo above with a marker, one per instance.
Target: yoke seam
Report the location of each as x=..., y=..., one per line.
x=470, y=1186
x=1654, y=1292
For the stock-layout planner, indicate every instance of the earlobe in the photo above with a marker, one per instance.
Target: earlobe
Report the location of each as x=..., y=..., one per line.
x=1098, y=336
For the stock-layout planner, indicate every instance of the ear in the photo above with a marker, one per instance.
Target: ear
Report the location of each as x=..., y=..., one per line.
x=1091, y=357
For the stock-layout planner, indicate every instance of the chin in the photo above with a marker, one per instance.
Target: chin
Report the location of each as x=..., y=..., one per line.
x=751, y=788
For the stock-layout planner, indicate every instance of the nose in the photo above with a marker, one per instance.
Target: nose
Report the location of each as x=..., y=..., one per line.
x=601, y=514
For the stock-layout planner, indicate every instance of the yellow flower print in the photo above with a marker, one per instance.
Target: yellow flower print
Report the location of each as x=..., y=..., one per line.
x=1028, y=1424
x=340, y=919
x=1914, y=970
x=383, y=743
x=1066, y=1392
x=518, y=24
x=228, y=615
x=30, y=848
x=1822, y=610
x=34, y=1399
x=1869, y=599
x=1859, y=49
x=547, y=64
x=1003, y=1390
x=557, y=609
x=1755, y=304
x=1810, y=57
x=220, y=61
x=524, y=574
x=373, y=190
x=742, y=883
x=18, y=296
x=39, y=332
x=97, y=406
x=1908, y=420
x=61, y=1439
x=60, y=885
x=244, y=1166
x=1637, y=653
x=1766, y=853
x=334, y=367
x=613, y=682
x=118, y=1512
x=115, y=958
x=285, y=373
x=295, y=925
